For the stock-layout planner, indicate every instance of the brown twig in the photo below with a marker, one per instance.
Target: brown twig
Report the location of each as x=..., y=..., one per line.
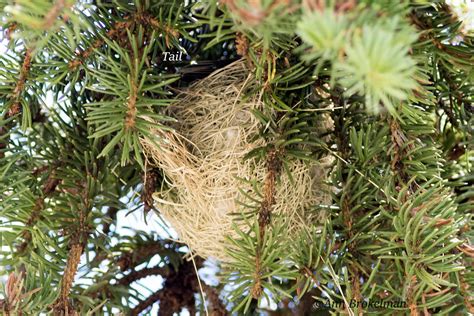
x=149, y=186
x=410, y=300
x=119, y=31
x=273, y=165
x=20, y=85
x=116, y=32
x=48, y=188
x=356, y=287
x=62, y=305
x=257, y=288
x=54, y=13
x=77, y=243
x=131, y=114
x=143, y=273
x=426, y=28
x=148, y=302
x=401, y=146
x=148, y=20
x=218, y=308
x=177, y=292
x=306, y=271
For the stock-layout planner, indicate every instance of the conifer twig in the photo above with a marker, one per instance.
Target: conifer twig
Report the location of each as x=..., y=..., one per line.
x=48, y=188
x=73, y=260
x=115, y=32
x=118, y=30
x=15, y=107
x=131, y=114
x=149, y=301
x=273, y=165
x=54, y=13
x=177, y=292
x=218, y=308
x=143, y=273
x=78, y=240
x=149, y=185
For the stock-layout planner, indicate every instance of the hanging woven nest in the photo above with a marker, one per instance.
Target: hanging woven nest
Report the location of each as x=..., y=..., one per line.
x=206, y=173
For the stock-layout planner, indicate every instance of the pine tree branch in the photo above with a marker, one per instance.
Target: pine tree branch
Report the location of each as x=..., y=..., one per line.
x=410, y=297
x=356, y=287
x=143, y=273
x=77, y=243
x=177, y=292
x=399, y=141
x=218, y=308
x=15, y=107
x=257, y=288
x=348, y=221
x=118, y=30
x=273, y=165
x=127, y=280
x=131, y=114
x=454, y=91
x=169, y=32
x=348, y=217
x=354, y=270
x=401, y=147
x=48, y=188
x=149, y=186
x=62, y=305
x=50, y=17
x=37, y=171
x=147, y=303
x=425, y=25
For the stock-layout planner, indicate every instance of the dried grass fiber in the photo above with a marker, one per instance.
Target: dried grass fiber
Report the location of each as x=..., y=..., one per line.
x=202, y=159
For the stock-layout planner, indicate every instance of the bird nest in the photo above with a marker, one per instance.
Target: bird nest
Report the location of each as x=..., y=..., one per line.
x=206, y=174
